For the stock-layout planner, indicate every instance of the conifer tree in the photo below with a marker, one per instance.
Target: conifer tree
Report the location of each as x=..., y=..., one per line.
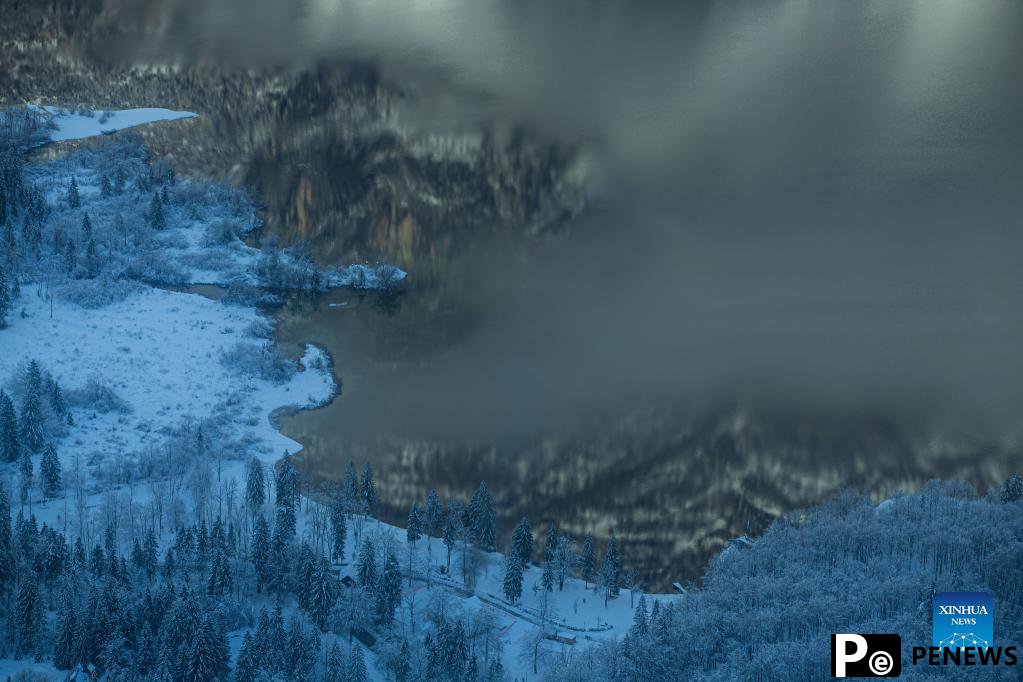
x=522, y=541
x=7, y=559
x=105, y=188
x=49, y=472
x=368, y=491
x=70, y=257
x=388, y=591
x=25, y=471
x=92, y=264
x=639, y=618
x=433, y=518
x=57, y=401
x=6, y=298
x=356, y=671
x=450, y=536
x=513, y=576
x=547, y=579
x=587, y=562
x=10, y=440
x=281, y=546
x=365, y=567
x=261, y=553
x=64, y=650
x=157, y=220
x=29, y=616
x=322, y=593
x=351, y=489
x=550, y=543
x=338, y=526
x=220, y=581
x=255, y=486
x=287, y=491
x=334, y=669
x=1012, y=490
x=31, y=419
x=403, y=666
x=74, y=199
x=481, y=511
x=248, y=664
x=609, y=570
x=210, y=655
x=413, y=533
x=433, y=515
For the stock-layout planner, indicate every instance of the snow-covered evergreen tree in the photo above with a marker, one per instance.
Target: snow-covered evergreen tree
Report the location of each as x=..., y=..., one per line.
x=255, y=486
x=65, y=654
x=522, y=541
x=157, y=219
x=368, y=491
x=10, y=440
x=220, y=581
x=322, y=592
x=350, y=489
x=338, y=525
x=74, y=199
x=412, y=535
x=512, y=576
x=1012, y=491
x=49, y=472
x=261, y=559
x=587, y=561
x=366, y=565
x=387, y=591
x=29, y=616
x=356, y=671
x=609, y=570
x=6, y=298
x=481, y=511
x=8, y=560
x=287, y=491
x=31, y=417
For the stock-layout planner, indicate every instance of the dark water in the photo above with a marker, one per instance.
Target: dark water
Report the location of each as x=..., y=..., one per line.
x=798, y=264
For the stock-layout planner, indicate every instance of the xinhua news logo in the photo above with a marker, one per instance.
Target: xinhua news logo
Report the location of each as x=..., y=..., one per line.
x=877, y=655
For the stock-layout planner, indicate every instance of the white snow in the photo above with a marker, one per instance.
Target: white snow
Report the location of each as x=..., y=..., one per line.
x=79, y=125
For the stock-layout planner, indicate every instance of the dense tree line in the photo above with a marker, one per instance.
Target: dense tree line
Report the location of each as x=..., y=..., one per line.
x=854, y=565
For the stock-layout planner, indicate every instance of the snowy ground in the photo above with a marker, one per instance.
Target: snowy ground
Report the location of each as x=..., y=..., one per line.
x=80, y=124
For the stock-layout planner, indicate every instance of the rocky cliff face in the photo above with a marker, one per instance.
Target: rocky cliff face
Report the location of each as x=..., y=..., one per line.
x=326, y=147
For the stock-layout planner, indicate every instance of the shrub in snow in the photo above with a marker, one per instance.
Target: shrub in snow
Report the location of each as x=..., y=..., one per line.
x=96, y=293
x=260, y=329
x=221, y=232
x=97, y=395
x=248, y=296
x=264, y=361
x=359, y=276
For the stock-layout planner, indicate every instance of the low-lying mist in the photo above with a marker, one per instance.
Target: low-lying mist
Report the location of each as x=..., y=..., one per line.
x=803, y=205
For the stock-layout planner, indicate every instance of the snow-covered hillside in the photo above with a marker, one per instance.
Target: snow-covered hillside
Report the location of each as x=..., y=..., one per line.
x=155, y=407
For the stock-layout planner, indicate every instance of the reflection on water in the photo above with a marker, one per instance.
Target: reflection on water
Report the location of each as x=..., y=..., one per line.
x=799, y=267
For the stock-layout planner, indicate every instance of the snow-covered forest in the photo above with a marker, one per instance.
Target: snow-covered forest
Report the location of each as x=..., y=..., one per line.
x=154, y=527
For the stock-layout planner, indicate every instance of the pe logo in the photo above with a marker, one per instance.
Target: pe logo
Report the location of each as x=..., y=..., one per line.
x=866, y=655
x=963, y=619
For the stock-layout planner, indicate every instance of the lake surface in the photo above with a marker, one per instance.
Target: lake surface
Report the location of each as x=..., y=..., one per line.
x=675, y=268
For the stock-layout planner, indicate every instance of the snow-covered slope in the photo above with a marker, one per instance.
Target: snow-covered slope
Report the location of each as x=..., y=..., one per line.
x=77, y=125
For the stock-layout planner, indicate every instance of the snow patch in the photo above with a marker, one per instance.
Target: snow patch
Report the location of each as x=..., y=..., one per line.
x=80, y=124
